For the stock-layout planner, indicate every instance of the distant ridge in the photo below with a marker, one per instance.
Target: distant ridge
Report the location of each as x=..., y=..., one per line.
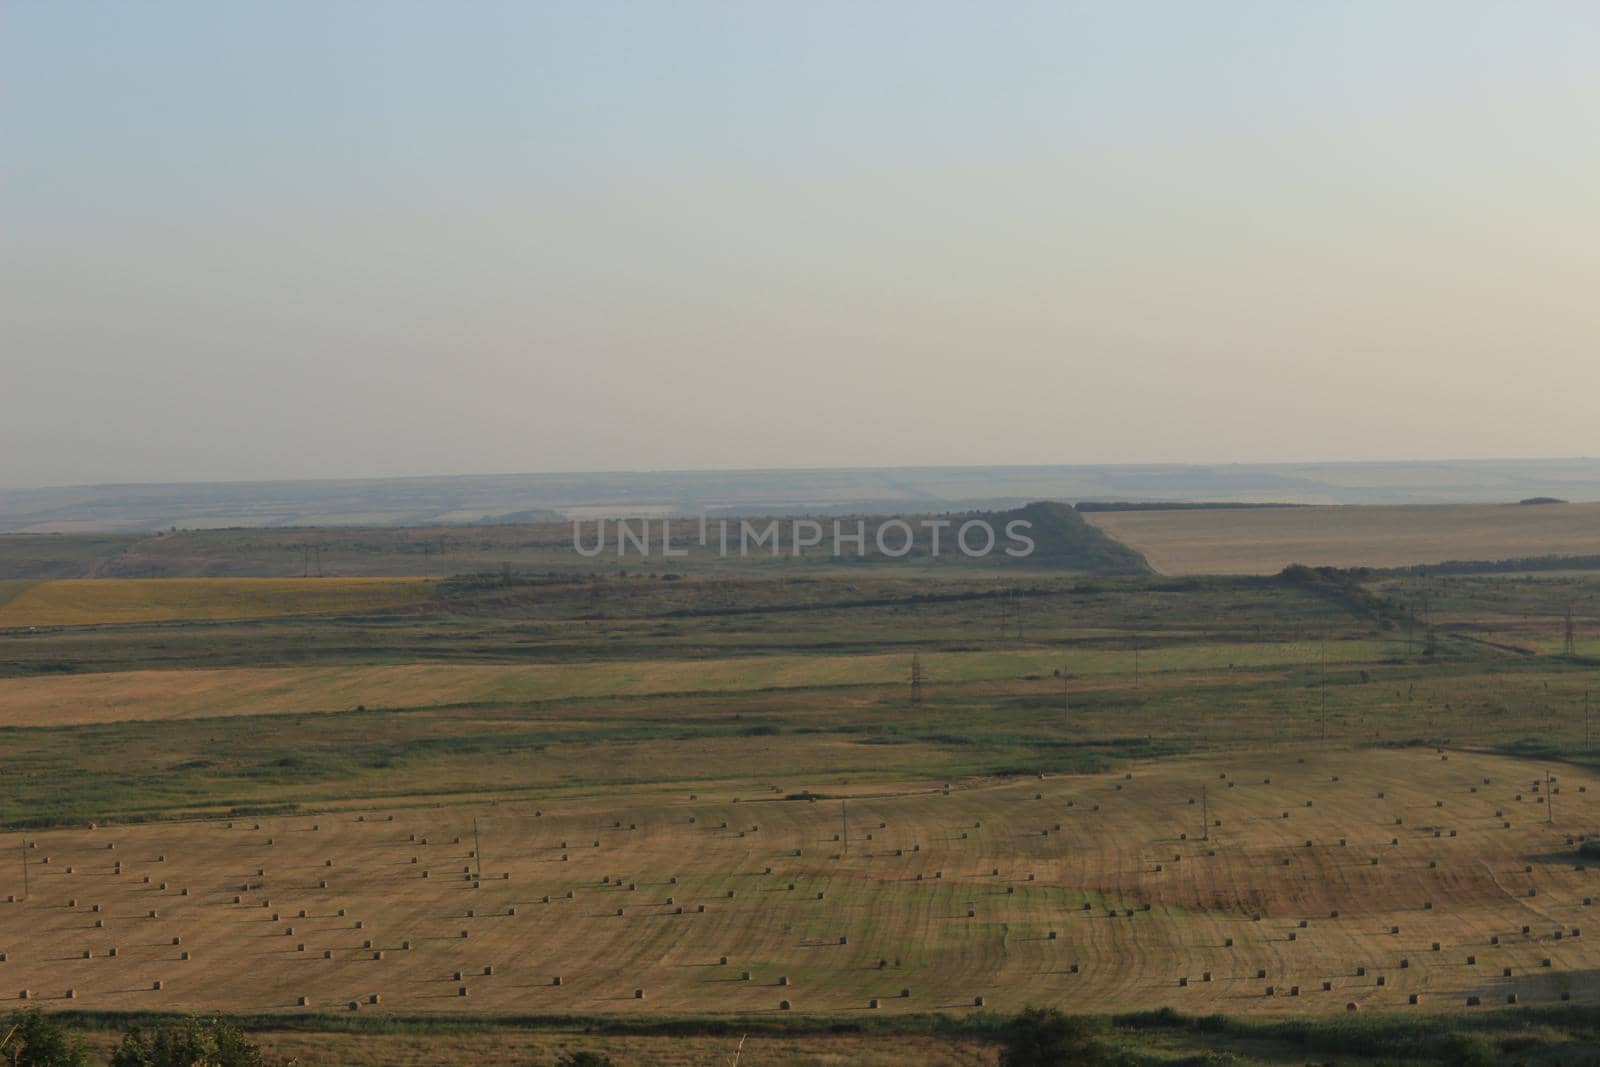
x=461, y=499
x=1177, y=505
x=1064, y=539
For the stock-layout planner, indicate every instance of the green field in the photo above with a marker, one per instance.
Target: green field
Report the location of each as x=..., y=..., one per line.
x=110, y=601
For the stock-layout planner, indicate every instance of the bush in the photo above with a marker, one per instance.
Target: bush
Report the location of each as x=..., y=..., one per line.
x=585, y=1058
x=1044, y=1037
x=1468, y=1050
x=33, y=1039
x=196, y=1043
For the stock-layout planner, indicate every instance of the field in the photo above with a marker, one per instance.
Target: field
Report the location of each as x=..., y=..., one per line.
x=134, y=695
x=1095, y=892
x=429, y=777
x=86, y=602
x=1265, y=540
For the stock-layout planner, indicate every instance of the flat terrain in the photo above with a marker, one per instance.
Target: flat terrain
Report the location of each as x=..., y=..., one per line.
x=176, y=694
x=651, y=742
x=1265, y=540
x=1097, y=892
x=86, y=602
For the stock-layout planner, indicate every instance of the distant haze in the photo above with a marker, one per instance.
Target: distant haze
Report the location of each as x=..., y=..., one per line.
x=535, y=498
x=332, y=240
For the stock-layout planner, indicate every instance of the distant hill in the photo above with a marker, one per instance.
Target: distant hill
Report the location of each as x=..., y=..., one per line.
x=457, y=499
x=526, y=517
x=1062, y=540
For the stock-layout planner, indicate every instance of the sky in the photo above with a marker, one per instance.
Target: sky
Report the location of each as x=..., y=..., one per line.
x=327, y=238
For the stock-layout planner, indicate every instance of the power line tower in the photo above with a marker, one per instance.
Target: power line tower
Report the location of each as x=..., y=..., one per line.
x=916, y=678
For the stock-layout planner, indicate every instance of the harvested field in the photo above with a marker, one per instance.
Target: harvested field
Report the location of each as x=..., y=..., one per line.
x=1345, y=869
x=126, y=695
x=99, y=601
x=679, y=1050
x=1265, y=540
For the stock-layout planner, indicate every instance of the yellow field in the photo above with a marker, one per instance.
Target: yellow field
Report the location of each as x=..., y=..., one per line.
x=1265, y=540
x=514, y=1046
x=91, y=601
x=1387, y=874
x=58, y=700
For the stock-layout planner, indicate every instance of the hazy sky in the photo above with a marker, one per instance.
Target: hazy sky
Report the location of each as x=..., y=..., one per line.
x=326, y=238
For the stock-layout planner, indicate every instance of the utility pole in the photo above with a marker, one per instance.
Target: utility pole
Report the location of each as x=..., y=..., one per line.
x=477, y=848
x=1324, y=688
x=1411, y=620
